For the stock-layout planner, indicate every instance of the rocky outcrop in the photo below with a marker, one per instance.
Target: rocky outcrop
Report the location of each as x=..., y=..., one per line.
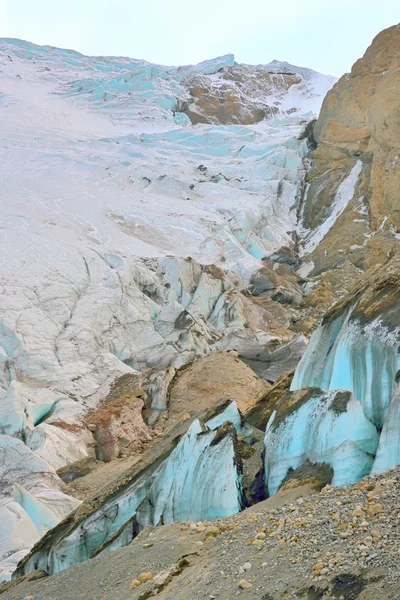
x=238, y=96
x=206, y=381
x=351, y=197
x=241, y=94
x=118, y=426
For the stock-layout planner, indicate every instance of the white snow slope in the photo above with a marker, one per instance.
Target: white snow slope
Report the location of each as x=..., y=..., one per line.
x=101, y=179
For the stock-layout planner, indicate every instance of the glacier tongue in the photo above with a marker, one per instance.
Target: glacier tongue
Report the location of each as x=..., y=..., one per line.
x=128, y=234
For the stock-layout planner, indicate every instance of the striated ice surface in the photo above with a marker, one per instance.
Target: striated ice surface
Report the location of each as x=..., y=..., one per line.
x=31, y=501
x=181, y=487
x=320, y=431
x=388, y=453
x=187, y=486
x=364, y=359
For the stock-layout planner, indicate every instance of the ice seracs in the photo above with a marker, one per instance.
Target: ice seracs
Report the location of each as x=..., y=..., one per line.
x=363, y=358
x=319, y=427
x=356, y=348
x=179, y=484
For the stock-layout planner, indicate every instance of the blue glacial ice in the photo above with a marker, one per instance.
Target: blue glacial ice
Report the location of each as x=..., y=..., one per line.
x=320, y=430
x=186, y=488
x=363, y=359
x=181, y=487
x=388, y=453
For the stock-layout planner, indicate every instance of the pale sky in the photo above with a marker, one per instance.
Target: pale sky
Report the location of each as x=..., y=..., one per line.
x=326, y=35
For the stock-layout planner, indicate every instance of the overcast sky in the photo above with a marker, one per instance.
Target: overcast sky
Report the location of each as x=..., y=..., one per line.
x=326, y=35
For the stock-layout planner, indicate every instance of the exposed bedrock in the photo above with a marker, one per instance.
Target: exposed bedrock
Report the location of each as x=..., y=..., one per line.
x=351, y=198
x=243, y=95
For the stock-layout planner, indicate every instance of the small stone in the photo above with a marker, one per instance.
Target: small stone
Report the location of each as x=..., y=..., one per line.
x=247, y=566
x=148, y=545
x=245, y=585
x=212, y=531
x=319, y=566
x=261, y=536
x=134, y=584
x=374, y=509
x=376, y=534
x=161, y=578
x=144, y=577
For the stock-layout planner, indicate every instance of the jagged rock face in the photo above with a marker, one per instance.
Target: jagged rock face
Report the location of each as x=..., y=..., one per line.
x=358, y=137
x=207, y=380
x=238, y=96
x=117, y=425
x=242, y=94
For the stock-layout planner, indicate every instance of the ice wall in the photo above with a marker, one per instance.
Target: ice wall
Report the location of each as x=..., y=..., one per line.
x=388, y=453
x=362, y=358
x=322, y=427
x=31, y=501
x=187, y=488
x=356, y=348
x=181, y=487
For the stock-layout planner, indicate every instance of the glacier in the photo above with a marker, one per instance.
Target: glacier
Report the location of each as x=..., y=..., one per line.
x=362, y=358
x=130, y=234
x=178, y=488
x=324, y=427
x=356, y=348
x=153, y=215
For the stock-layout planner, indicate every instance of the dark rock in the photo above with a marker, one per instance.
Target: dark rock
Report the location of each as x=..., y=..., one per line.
x=78, y=469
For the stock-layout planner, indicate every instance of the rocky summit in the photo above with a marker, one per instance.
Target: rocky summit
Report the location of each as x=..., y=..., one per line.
x=199, y=328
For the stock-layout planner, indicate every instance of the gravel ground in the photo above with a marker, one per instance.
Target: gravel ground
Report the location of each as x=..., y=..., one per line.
x=340, y=544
